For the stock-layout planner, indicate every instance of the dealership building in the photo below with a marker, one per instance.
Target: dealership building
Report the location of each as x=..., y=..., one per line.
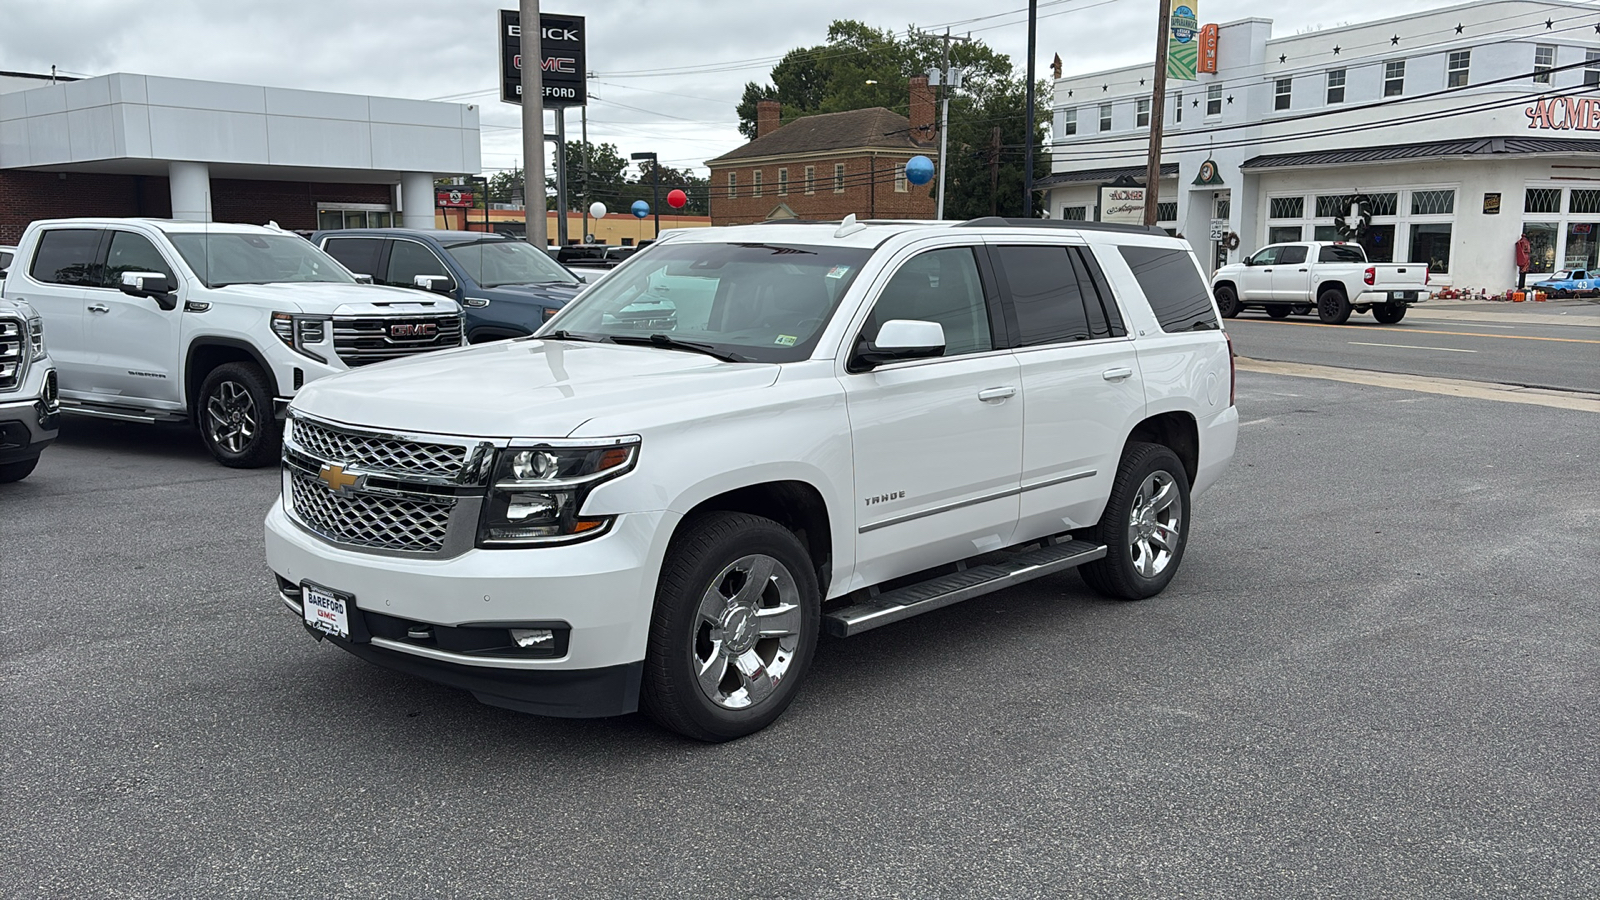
x=142, y=145
x=1439, y=138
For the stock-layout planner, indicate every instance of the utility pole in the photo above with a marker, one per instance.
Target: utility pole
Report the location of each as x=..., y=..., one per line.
x=561, y=176
x=533, y=124
x=994, y=171
x=584, y=110
x=942, y=78
x=1027, y=165
x=1158, y=104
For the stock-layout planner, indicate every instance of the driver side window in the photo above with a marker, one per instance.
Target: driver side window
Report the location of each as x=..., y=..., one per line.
x=938, y=286
x=1266, y=256
x=409, y=259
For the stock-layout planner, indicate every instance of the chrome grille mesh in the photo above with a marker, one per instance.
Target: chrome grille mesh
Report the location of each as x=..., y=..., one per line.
x=371, y=520
x=375, y=453
x=13, y=351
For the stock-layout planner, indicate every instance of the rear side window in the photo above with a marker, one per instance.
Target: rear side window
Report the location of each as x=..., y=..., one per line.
x=1288, y=256
x=1105, y=320
x=1172, y=285
x=1341, y=254
x=67, y=256
x=359, y=255
x=1045, y=295
x=5, y=259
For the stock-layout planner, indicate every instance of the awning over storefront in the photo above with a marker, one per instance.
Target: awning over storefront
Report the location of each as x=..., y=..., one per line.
x=1090, y=176
x=1468, y=148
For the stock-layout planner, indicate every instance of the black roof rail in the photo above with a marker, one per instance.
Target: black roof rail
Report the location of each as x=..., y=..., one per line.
x=1070, y=225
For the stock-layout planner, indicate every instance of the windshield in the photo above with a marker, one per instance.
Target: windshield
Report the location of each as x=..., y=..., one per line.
x=232, y=258
x=492, y=263
x=1561, y=276
x=759, y=302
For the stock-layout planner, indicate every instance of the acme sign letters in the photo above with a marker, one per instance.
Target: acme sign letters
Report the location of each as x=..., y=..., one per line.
x=1564, y=114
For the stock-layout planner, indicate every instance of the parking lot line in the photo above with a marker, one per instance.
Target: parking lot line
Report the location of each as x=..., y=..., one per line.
x=1503, y=337
x=1450, y=387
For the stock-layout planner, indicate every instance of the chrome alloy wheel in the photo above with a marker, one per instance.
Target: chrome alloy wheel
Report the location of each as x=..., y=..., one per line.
x=1155, y=523
x=231, y=417
x=747, y=632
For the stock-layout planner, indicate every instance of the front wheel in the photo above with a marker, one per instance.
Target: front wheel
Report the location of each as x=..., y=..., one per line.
x=1333, y=308
x=16, y=471
x=734, y=629
x=1145, y=526
x=1228, y=302
x=1389, y=313
x=234, y=413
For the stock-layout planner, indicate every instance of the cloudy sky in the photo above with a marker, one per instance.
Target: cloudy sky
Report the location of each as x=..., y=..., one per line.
x=667, y=74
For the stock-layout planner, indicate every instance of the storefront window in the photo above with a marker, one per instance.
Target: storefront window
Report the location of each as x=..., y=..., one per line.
x=1584, y=202
x=1582, y=246
x=1330, y=206
x=1431, y=244
x=1327, y=233
x=1542, y=200
x=1286, y=207
x=1543, y=236
x=1384, y=204
x=1432, y=203
x=1378, y=241
x=1283, y=234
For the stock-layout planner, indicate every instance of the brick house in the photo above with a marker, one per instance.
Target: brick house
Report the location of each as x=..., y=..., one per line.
x=827, y=166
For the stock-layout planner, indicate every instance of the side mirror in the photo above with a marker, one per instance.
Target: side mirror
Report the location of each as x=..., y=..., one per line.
x=899, y=339
x=149, y=284
x=439, y=284
x=362, y=278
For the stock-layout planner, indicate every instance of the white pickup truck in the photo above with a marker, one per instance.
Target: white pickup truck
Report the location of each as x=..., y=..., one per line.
x=1332, y=277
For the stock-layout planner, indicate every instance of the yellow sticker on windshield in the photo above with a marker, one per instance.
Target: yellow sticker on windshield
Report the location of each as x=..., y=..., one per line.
x=785, y=340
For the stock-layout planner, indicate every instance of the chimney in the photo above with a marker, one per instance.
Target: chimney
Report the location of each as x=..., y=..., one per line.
x=922, y=110
x=767, y=112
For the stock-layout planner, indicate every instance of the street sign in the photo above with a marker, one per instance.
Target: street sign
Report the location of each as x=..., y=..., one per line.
x=1219, y=229
x=563, y=73
x=454, y=199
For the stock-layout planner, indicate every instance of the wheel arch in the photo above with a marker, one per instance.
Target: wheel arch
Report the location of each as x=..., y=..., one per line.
x=796, y=505
x=1177, y=431
x=207, y=353
x=1225, y=283
x=1339, y=286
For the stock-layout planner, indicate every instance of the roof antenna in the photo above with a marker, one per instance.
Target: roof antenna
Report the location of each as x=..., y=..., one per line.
x=849, y=226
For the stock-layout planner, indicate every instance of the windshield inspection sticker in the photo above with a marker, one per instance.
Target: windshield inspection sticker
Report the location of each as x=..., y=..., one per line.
x=785, y=340
x=838, y=271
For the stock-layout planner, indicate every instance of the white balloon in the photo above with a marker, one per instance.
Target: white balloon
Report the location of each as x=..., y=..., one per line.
x=597, y=210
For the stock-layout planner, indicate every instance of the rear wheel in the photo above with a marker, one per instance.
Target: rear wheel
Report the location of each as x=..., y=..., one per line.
x=1278, y=311
x=234, y=413
x=1228, y=302
x=1145, y=526
x=1389, y=313
x=16, y=471
x=1333, y=308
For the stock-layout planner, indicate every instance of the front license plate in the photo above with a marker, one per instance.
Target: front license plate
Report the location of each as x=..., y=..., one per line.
x=325, y=611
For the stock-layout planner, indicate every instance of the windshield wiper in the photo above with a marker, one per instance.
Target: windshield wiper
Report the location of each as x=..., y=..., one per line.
x=669, y=342
x=561, y=334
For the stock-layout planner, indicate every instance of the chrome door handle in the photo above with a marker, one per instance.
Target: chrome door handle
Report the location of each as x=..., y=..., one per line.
x=99, y=308
x=996, y=393
x=1116, y=374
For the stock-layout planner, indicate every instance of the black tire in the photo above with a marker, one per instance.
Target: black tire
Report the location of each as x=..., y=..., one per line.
x=1277, y=311
x=1118, y=574
x=1333, y=308
x=1301, y=309
x=234, y=415
x=1389, y=313
x=1228, y=302
x=16, y=471
x=700, y=563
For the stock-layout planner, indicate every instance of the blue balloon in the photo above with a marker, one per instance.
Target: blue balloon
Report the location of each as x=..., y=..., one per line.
x=641, y=208
x=919, y=170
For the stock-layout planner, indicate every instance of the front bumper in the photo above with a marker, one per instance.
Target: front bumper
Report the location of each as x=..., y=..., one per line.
x=602, y=591
x=27, y=426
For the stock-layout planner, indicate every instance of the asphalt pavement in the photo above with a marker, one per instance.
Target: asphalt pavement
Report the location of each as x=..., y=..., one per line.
x=1377, y=674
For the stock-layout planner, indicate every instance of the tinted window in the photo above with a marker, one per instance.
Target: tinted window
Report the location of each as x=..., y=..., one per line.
x=66, y=256
x=359, y=255
x=1266, y=256
x=493, y=262
x=1105, y=320
x=938, y=286
x=1173, y=286
x=133, y=253
x=1045, y=295
x=409, y=259
x=1290, y=255
x=5, y=259
x=1341, y=254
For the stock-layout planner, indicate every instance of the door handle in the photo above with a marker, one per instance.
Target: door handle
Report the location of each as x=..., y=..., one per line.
x=1116, y=374
x=99, y=308
x=1302, y=270
x=996, y=393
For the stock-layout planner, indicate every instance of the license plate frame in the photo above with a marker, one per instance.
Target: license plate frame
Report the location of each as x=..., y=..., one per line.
x=1406, y=295
x=326, y=610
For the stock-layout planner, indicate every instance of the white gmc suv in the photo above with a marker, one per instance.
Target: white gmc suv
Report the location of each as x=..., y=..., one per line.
x=745, y=436
x=160, y=320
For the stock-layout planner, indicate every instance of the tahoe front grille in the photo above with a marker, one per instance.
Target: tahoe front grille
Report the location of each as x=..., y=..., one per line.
x=361, y=340
x=370, y=452
x=380, y=521
x=13, y=352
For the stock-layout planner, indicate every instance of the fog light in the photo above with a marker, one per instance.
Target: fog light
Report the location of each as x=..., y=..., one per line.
x=420, y=633
x=533, y=637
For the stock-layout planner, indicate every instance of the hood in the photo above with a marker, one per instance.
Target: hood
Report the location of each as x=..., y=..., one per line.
x=548, y=294
x=331, y=298
x=522, y=388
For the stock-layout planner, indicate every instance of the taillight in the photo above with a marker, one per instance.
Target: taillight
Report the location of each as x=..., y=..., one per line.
x=1233, y=370
x=1427, y=278
x=1371, y=276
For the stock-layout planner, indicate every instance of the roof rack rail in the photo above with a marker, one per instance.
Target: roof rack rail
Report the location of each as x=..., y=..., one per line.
x=998, y=221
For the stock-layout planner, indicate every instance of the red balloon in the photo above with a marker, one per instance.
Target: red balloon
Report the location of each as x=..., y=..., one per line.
x=676, y=199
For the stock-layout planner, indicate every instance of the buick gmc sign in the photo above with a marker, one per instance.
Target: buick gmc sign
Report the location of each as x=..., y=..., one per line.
x=562, y=65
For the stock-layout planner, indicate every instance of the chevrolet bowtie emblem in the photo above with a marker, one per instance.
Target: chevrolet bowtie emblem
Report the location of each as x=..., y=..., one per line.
x=336, y=478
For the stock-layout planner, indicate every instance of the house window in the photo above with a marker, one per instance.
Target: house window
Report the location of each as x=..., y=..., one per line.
x=1584, y=202
x=755, y=189
x=1456, y=74
x=1167, y=212
x=1069, y=122
x=1542, y=200
x=1394, y=78
x=900, y=186
x=1105, y=117
x=1141, y=117
x=1286, y=208
x=1335, y=85
x=838, y=178
x=1432, y=203
x=1075, y=213
x=1283, y=234
x=1282, y=93
x=1591, y=68
x=733, y=185
x=783, y=182
x=1214, y=100
x=1544, y=59
x=1177, y=108
x=811, y=180
x=1430, y=243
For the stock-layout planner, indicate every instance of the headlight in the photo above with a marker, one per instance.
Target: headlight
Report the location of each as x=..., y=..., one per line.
x=538, y=489
x=36, y=337
x=299, y=332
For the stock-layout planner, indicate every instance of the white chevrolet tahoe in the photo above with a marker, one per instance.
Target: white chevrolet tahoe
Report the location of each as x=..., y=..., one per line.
x=745, y=436
x=28, y=401
x=159, y=320
x=1332, y=277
